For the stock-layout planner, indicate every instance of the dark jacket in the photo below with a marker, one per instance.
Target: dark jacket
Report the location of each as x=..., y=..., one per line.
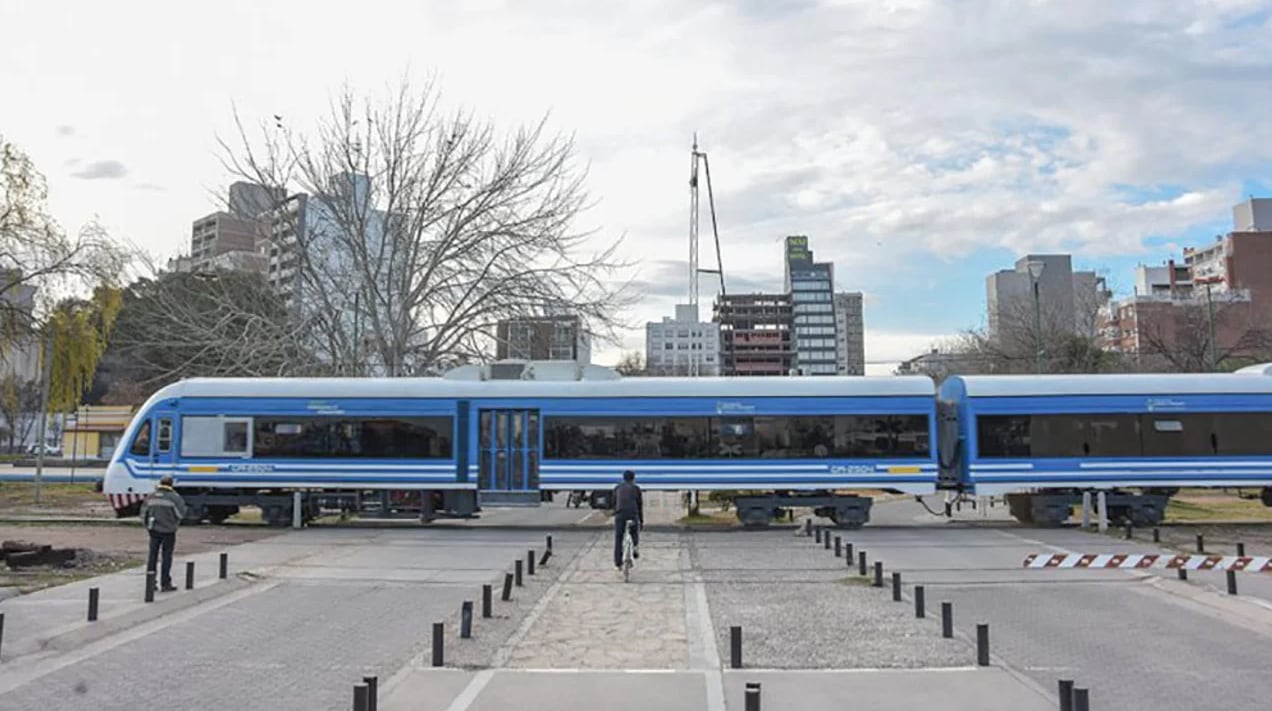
x=163, y=511
x=628, y=501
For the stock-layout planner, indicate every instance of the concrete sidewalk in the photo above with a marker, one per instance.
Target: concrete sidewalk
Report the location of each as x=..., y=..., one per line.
x=55, y=619
x=989, y=689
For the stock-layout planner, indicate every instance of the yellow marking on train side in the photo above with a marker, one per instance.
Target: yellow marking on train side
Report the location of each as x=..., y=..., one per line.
x=204, y=469
x=904, y=470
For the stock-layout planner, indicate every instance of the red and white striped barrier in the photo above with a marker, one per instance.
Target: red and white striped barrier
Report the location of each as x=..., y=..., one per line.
x=1249, y=564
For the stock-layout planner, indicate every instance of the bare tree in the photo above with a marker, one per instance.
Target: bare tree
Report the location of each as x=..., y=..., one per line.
x=632, y=364
x=1177, y=335
x=20, y=407
x=419, y=230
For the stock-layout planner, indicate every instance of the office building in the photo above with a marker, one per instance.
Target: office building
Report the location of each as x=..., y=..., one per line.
x=850, y=333
x=682, y=345
x=557, y=337
x=1066, y=301
x=811, y=288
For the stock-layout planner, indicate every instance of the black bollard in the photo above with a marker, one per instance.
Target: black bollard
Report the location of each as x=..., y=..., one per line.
x=896, y=587
x=1240, y=550
x=861, y=562
x=947, y=620
x=530, y=562
x=735, y=647
x=549, y=542
x=826, y=541
x=543, y=559
x=439, y=644
x=878, y=581
x=1201, y=544
x=1, y=629
x=150, y=586
x=1183, y=574
x=507, y=588
x=818, y=534
x=189, y=575
x=1157, y=535
x=1232, y=582
x=920, y=607
x=1066, y=695
x=808, y=527
x=839, y=547
x=92, y=604
x=360, y=698
x=752, y=696
x=487, y=592
x=1081, y=700
x=1130, y=531
x=982, y=645
x=848, y=553
x=466, y=620
x=516, y=573
x=225, y=565
x=373, y=692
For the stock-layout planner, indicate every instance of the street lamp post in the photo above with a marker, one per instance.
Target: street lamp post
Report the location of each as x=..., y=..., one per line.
x=1210, y=324
x=1035, y=274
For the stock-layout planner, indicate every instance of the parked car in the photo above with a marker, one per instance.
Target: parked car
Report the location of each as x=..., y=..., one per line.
x=49, y=450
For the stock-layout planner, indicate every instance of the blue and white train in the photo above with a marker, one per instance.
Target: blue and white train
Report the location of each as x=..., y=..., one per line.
x=436, y=447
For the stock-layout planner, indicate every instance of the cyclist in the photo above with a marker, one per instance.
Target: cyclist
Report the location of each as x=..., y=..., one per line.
x=629, y=505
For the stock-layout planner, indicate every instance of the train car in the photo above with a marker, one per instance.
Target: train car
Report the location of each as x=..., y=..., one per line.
x=446, y=447
x=1042, y=441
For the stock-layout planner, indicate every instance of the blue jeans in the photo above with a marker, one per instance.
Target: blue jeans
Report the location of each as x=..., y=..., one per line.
x=620, y=524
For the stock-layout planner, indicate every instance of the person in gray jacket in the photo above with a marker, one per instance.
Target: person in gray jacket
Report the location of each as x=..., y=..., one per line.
x=629, y=505
x=161, y=515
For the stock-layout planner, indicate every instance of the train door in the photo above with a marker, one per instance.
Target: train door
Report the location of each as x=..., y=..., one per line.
x=154, y=445
x=508, y=455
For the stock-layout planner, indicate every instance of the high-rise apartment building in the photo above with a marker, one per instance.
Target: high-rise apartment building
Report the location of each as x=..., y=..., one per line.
x=1066, y=301
x=230, y=239
x=559, y=337
x=682, y=345
x=756, y=336
x=811, y=288
x=850, y=333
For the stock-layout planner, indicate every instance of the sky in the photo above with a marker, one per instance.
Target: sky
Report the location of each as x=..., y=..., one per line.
x=920, y=144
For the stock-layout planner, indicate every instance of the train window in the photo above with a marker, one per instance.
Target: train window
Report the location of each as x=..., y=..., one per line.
x=1085, y=435
x=1003, y=435
x=164, y=439
x=141, y=443
x=353, y=438
x=1178, y=435
x=1243, y=433
x=882, y=436
x=626, y=438
x=234, y=437
x=214, y=437
x=734, y=437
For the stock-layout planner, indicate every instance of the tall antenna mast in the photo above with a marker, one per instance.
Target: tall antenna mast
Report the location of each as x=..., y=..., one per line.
x=694, y=269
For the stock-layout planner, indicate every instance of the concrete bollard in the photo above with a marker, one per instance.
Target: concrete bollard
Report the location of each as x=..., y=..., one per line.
x=189, y=575
x=982, y=645
x=439, y=644
x=1240, y=550
x=360, y=698
x=530, y=562
x=1201, y=543
x=839, y=547
x=487, y=592
x=752, y=696
x=920, y=607
x=1157, y=535
x=1183, y=574
x=298, y=511
x=1103, y=507
x=225, y=565
x=92, y=604
x=896, y=587
x=466, y=620
x=150, y=586
x=735, y=647
x=1086, y=510
x=1066, y=695
x=947, y=620
x=373, y=692
x=516, y=573
x=878, y=577
x=1081, y=700
x=861, y=562
x=1232, y=582
x=507, y=588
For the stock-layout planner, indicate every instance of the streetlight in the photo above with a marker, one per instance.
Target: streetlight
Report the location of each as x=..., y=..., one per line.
x=1210, y=318
x=1035, y=274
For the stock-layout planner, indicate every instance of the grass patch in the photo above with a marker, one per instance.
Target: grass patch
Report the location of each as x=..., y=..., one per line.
x=32, y=579
x=1189, y=508
x=720, y=518
x=860, y=581
x=22, y=493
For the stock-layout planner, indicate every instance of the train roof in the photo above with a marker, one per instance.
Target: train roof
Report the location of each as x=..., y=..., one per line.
x=723, y=387
x=1115, y=384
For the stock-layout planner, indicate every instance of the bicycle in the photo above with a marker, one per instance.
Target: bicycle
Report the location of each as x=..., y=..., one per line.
x=629, y=550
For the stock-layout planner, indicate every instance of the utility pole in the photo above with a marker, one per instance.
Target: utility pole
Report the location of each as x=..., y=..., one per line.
x=42, y=425
x=1210, y=323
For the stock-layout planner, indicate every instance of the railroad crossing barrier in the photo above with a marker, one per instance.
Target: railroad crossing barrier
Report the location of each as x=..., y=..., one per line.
x=1142, y=561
